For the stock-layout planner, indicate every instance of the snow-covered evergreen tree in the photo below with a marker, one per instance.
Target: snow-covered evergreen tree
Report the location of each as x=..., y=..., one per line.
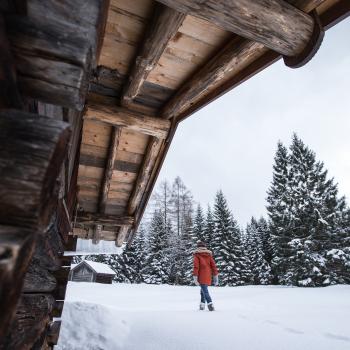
x=304, y=211
x=199, y=225
x=227, y=246
x=157, y=261
x=209, y=229
x=259, y=269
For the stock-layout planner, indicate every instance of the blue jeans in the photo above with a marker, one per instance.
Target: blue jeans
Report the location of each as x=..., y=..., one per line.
x=205, y=297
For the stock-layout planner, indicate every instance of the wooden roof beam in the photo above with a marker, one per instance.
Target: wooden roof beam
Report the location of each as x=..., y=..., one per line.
x=121, y=117
x=144, y=174
x=112, y=154
x=163, y=27
x=232, y=57
x=273, y=23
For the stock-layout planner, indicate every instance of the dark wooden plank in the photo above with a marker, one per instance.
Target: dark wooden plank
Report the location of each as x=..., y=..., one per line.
x=9, y=93
x=53, y=333
x=102, y=219
x=162, y=28
x=38, y=280
x=16, y=251
x=112, y=153
x=153, y=95
x=106, y=81
x=336, y=13
x=31, y=321
x=32, y=151
x=122, y=117
x=273, y=23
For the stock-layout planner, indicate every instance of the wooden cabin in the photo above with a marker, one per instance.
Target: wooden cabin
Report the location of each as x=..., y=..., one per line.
x=91, y=271
x=91, y=94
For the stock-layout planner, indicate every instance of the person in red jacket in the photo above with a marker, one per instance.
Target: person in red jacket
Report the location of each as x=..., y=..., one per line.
x=203, y=269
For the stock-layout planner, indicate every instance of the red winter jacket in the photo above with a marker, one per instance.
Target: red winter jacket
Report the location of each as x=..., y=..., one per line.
x=204, y=266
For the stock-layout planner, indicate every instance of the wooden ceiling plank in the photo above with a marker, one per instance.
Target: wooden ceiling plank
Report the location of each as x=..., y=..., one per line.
x=112, y=154
x=102, y=219
x=238, y=50
x=121, y=117
x=144, y=175
x=163, y=27
x=274, y=23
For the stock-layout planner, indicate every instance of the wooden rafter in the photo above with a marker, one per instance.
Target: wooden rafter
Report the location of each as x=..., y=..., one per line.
x=274, y=23
x=112, y=154
x=237, y=53
x=121, y=117
x=163, y=27
x=144, y=174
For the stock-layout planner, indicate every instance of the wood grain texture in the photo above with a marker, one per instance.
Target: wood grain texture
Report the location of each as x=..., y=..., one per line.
x=144, y=175
x=122, y=117
x=233, y=58
x=31, y=154
x=162, y=28
x=9, y=93
x=103, y=219
x=122, y=235
x=115, y=135
x=273, y=23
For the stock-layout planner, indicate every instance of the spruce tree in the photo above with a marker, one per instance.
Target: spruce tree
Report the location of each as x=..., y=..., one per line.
x=209, y=229
x=278, y=205
x=304, y=213
x=227, y=246
x=260, y=271
x=156, y=270
x=199, y=225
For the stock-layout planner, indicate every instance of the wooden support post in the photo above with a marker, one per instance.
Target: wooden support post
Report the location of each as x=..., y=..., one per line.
x=163, y=27
x=97, y=234
x=144, y=175
x=235, y=55
x=122, y=235
x=112, y=154
x=53, y=333
x=121, y=117
x=273, y=23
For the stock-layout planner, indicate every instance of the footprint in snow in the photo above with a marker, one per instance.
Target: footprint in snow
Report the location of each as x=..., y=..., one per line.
x=272, y=322
x=295, y=331
x=337, y=337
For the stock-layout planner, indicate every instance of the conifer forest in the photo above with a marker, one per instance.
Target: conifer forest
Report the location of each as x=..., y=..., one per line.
x=304, y=240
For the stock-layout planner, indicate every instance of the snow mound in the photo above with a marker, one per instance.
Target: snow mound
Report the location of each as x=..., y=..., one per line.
x=90, y=326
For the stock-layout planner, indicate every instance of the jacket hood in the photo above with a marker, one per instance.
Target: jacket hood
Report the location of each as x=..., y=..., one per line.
x=202, y=250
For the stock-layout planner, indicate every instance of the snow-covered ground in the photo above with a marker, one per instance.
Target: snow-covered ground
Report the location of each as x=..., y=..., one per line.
x=147, y=317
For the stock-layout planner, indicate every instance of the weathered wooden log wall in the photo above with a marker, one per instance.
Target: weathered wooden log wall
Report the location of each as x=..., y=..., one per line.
x=48, y=51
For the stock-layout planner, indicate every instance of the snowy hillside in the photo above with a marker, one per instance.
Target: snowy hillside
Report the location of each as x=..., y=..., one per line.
x=148, y=317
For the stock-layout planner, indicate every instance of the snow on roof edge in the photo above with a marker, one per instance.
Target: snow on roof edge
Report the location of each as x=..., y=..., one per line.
x=97, y=267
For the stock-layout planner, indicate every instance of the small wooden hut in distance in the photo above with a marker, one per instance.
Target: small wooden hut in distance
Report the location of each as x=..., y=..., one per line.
x=91, y=271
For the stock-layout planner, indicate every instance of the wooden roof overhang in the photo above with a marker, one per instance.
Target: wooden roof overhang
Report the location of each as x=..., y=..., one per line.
x=159, y=63
x=135, y=69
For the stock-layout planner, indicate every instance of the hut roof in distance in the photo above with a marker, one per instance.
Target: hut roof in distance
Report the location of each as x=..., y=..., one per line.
x=96, y=266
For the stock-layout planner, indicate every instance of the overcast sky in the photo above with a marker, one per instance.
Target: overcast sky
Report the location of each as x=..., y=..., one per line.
x=230, y=144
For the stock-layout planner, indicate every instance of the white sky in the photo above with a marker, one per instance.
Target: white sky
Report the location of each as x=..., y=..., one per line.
x=230, y=144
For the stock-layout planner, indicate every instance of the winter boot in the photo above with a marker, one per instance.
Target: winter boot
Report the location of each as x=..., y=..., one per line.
x=211, y=307
x=201, y=306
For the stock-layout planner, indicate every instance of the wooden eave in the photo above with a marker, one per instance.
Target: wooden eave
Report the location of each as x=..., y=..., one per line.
x=157, y=66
